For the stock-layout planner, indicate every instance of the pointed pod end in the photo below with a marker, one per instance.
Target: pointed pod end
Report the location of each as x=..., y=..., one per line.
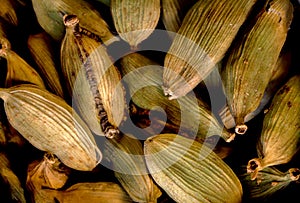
x=254, y=165
x=169, y=93
x=232, y=136
x=294, y=174
x=241, y=129
x=4, y=94
x=112, y=133
x=70, y=20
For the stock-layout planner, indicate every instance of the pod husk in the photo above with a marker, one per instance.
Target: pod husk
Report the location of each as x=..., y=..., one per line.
x=206, y=33
x=173, y=13
x=187, y=113
x=92, y=79
x=269, y=182
x=51, y=125
x=41, y=50
x=279, y=75
x=104, y=192
x=251, y=62
x=189, y=171
x=280, y=133
x=18, y=70
x=13, y=182
x=135, y=20
x=46, y=173
x=126, y=157
x=50, y=16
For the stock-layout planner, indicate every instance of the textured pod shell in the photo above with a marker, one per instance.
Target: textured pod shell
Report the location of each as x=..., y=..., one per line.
x=206, y=33
x=173, y=12
x=186, y=113
x=48, y=173
x=279, y=75
x=51, y=125
x=250, y=64
x=91, y=77
x=104, y=192
x=135, y=20
x=9, y=177
x=18, y=70
x=126, y=156
x=50, y=16
x=189, y=171
x=281, y=128
x=269, y=181
x=41, y=50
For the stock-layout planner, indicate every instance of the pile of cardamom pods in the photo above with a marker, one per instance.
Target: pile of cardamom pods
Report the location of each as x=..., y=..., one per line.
x=149, y=101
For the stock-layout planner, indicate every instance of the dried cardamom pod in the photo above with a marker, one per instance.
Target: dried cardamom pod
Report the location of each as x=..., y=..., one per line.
x=189, y=171
x=173, y=12
x=18, y=70
x=51, y=125
x=50, y=16
x=126, y=157
x=135, y=20
x=280, y=133
x=93, y=80
x=8, y=11
x=269, y=181
x=46, y=173
x=16, y=190
x=279, y=75
x=186, y=113
x=41, y=50
x=206, y=33
x=104, y=192
x=250, y=64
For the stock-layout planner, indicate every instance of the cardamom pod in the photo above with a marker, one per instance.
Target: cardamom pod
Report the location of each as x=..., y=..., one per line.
x=41, y=50
x=135, y=20
x=269, y=181
x=18, y=70
x=280, y=133
x=206, y=33
x=173, y=12
x=93, y=80
x=187, y=113
x=46, y=173
x=126, y=157
x=189, y=171
x=250, y=64
x=279, y=75
x=9, y=177
x=51, y=125
x=104, y=192
x=50, y=16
